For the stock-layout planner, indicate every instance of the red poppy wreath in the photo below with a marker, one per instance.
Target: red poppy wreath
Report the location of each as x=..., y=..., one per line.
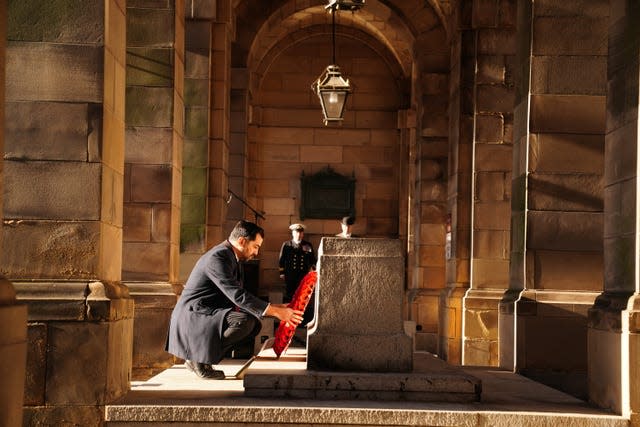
x=300, y=299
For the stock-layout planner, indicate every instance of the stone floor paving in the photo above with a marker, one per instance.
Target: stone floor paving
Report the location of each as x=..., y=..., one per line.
x=176, y=397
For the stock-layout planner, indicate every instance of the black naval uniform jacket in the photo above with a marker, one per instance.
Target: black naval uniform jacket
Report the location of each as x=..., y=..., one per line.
x=295, y=261
x=213, y=289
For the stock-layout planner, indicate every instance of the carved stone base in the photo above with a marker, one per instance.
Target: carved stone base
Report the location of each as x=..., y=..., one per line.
x=13, y=350
x=80, y=349
x=614, y=351
x=154, y=303
x=529, y=332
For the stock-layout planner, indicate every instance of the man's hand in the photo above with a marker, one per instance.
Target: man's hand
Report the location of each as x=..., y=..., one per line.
x=285, y=314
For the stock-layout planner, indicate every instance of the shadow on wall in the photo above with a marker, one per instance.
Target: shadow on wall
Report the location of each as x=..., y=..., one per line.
x=554, y=344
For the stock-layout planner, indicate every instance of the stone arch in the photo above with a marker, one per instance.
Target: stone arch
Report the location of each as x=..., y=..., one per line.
x=395, y=37
x=398, y=25
x=323, y=32
x=412, y=36
x=286, y=135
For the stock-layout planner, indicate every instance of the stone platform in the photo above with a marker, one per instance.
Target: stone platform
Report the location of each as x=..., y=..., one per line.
x=176, y=397
x=439, y=383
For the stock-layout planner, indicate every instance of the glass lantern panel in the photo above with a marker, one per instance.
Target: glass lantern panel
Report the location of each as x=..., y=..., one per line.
x=333, y=103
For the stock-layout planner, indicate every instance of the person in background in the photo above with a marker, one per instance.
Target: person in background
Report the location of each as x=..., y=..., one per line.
x=297, y=258
x=346, y=223
x=214, y=311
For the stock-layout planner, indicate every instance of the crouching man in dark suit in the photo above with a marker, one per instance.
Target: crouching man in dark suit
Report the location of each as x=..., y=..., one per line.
x=215, y=312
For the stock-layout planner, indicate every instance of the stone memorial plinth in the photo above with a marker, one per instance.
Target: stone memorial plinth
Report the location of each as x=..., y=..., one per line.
x=357, y=348
x=358, y=321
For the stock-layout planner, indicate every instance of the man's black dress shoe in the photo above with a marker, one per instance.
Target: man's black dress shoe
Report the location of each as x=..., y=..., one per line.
x=203, y=370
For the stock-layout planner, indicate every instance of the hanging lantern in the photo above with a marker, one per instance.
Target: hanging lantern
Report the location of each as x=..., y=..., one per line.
x=332, y=90
x=351, y=5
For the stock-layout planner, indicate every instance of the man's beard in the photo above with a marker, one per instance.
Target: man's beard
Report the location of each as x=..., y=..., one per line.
x=246, y=257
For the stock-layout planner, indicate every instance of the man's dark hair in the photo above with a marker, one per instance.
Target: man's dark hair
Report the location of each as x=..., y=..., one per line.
x=246, y=229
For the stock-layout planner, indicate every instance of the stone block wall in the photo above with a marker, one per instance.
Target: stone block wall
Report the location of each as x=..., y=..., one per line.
x=557, y=235
x=66, y=139
x=219, y=135
x=458, y=220
x=153, y=140
x=238, y=176
x=565, y=198
x=13, y=316
x=430, y=177
x=613, y=327
x=195, y=158
x=156, y=122
x=287, y=137
x=13, y=348
x=495, y=48
x=42, y=189
x=566, y=149
x=79, y=350
x=154, y=304
x=63, y=233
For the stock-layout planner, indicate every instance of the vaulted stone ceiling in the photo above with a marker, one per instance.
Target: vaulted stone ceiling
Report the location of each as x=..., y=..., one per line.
x=404, y=32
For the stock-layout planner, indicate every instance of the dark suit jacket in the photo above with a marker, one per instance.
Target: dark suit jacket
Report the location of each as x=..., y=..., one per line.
x=212, y=290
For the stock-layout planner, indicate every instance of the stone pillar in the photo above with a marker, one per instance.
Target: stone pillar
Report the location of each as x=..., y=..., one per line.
x=613, y=328
x=507, y=316
x=557, y=214
x=195, y=159
x=359, y=324
x=13, y=316
x=458, y=222
x=422, y=298
x=13, y=353
x=63, y=174
x=426, y=161
x=154, y=126
x=219, y=121
x=212, y=148
x=238, y=147
x=494, y=27
x=153, y=173
x=427, y=280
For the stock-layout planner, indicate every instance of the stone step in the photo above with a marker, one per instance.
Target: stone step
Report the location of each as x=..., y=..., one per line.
x=177, y=398
x=319, y=414
x=265, y=378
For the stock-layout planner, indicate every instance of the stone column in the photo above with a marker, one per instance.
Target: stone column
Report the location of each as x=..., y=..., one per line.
x=153, y=173
x=557, y=213
x=613, y=328
x=154, y=126
x=238, y=147
x=359, y=324
x=195, y=159
x=13, y=316
x=458, y=249
x=62, y=236
x=489, y=58
x=219, y=121
x=426, y=162
x=421, y=303
x=13, y=352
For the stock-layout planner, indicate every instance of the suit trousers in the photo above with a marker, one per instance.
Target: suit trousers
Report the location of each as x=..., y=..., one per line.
x=238, y=325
